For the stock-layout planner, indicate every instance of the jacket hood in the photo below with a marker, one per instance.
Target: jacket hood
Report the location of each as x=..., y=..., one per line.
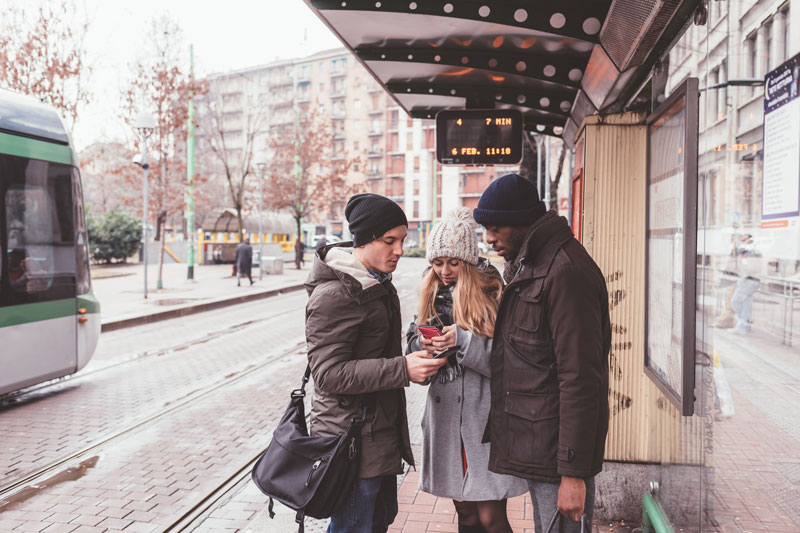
x=336, y=262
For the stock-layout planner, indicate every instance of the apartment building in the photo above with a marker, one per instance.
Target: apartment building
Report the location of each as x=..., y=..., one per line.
x=742, y=42
x=396, y=153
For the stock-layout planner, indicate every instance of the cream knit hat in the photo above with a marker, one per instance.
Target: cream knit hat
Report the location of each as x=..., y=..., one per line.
x=454, y=236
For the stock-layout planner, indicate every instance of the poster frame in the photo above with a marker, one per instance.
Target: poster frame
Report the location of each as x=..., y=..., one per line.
x=683, y=399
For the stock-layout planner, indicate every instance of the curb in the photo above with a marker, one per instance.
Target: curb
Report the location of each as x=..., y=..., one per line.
x=219, y=303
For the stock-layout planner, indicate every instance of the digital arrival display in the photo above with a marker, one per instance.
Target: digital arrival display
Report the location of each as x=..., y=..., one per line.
x=479, y=137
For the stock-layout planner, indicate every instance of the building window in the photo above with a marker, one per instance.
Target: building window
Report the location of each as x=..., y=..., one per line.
x=711, y=95
x=722, y=94
x=416, y=208
x=409, y=141
x=357, y=104
x=416, y=162
x=768, y=54
x=751, y=58
x=786, y=37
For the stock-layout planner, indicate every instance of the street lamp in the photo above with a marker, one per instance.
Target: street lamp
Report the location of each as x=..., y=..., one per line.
x=144, y=124
x=261, y=163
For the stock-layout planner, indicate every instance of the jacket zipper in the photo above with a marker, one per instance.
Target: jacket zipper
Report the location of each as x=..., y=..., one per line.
x=313, y=469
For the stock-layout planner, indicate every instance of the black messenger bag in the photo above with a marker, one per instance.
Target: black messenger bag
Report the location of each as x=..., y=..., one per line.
x=311, y=475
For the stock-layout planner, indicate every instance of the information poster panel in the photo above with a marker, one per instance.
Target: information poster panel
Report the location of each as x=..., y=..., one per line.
x=672, y=245
x=781, y=187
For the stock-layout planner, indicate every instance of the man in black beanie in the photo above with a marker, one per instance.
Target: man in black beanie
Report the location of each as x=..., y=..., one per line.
x=549, y=415
x=353, y=331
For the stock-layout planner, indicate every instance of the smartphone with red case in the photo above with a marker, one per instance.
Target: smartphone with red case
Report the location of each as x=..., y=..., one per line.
x=429, y=332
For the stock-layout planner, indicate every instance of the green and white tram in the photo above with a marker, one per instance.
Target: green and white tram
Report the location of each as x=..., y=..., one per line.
x=49, y=318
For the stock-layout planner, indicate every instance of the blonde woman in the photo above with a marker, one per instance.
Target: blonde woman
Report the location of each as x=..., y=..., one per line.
x=459, y=296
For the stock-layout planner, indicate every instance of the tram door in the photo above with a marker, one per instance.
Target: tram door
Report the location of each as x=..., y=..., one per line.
x=38, y=327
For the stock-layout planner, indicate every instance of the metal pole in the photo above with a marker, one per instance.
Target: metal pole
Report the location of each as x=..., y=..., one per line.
x=547, y=173
x=434, y=184
x=145, y=166
x=190, y=170
x=297, y=170
x=260, y=212
x=569, y=191
x=539, y=165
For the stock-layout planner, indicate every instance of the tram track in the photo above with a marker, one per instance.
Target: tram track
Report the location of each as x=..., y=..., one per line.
x=40, y=475
x=14, y=398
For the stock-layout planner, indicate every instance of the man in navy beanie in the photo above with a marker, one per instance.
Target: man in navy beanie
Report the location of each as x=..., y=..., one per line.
x=353, y=332
x=549, y=415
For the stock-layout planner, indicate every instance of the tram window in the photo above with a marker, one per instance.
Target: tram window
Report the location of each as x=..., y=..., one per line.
x=82, y=277
x=38, y=218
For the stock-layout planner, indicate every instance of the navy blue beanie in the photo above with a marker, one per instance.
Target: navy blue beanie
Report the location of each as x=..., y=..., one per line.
x=370, y=216
x=509, y=201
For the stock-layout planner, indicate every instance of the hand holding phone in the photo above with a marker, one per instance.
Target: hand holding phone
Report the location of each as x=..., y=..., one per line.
x=447, y=352
x=429, y=332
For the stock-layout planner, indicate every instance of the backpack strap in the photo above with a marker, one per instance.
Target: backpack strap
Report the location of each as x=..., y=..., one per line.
x=269, y=508
x=300, y=518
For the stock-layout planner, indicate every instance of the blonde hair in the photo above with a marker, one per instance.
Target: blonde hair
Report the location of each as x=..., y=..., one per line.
x=475, y=299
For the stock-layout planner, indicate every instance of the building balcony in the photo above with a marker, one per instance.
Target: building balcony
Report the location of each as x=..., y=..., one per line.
x=394, y=126
x=375, y=89
x=338, y=136
x=303, y=99
x=375, y=133
x=338, y=114
x=374, y=175
x=338, y=94
x=378, y=111
x=394, y=175
x=338, y=73
x=375, y=154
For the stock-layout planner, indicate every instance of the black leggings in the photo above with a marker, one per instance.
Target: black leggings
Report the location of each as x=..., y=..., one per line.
x=490, y=515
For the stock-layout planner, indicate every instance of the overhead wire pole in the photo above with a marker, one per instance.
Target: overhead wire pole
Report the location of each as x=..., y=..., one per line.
x=190, y=171
x=297, y=173
x=547, y=173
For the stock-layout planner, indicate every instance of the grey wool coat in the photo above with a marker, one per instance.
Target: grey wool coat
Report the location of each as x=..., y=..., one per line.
x=457, y=411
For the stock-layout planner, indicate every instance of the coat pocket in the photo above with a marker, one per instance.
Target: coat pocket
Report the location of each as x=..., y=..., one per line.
x=533, y=422
x=529, y=313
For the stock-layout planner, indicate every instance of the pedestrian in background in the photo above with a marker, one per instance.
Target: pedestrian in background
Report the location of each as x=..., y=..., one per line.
x=353, y=332
x=299, y=253
x=460, y=294
x=244, y=260
x=549, y=414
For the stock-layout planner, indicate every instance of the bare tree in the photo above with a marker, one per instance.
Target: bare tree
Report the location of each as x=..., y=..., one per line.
x=110, y=181
x=233, y=148
x=306, y=177
x=43, y=55
x=528, y=166
x=162, y=86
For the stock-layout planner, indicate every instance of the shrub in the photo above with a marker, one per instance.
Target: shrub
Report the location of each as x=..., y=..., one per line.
x=114, y=236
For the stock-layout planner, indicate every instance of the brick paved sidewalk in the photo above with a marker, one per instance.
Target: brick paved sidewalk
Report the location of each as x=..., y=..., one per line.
x=421, y=512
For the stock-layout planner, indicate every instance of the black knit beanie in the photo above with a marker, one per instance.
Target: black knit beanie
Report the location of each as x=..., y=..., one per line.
x=372, y=215
x=509, y=201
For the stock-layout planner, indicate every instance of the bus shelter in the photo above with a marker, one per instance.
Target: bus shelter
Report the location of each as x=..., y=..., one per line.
x=595, y=74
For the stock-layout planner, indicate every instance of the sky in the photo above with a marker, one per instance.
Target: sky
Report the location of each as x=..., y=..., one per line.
x=226, y=35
